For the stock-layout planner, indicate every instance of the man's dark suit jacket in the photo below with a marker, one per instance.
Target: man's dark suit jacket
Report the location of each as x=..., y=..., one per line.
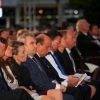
x=39, y=77
x=65, y=61
x=76, y=55
x=86, y=47
x=49, y=69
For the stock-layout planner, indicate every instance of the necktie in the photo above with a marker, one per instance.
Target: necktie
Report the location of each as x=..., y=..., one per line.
x=36, y=62
x=71, y=58
x=58, y=63
x=79, y=53
x=0, y=73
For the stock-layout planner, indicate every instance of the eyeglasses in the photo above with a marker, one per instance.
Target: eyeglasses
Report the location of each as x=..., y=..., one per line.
x=58, y=42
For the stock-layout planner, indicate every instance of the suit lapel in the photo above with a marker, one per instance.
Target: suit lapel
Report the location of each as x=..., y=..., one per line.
x=34, y=64
x=69, y=62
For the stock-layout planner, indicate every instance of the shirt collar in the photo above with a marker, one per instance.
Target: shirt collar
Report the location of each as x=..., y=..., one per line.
x=94, y=37
x=52, y=52
x=38, y=54
x=68, y=50
x=30, y=56
x=85, y=34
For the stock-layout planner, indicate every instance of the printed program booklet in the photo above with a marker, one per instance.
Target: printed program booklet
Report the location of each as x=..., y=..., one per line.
x=81, y=77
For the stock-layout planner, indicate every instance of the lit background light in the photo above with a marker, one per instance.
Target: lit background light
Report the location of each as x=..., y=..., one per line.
x=1, y=13
x=40, y=11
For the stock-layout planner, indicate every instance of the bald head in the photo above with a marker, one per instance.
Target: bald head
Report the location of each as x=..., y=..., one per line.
x=42, y=38
x=82, y=26
x=43, y=44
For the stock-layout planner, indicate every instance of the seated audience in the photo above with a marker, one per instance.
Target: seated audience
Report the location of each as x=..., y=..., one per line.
x=65, y=69
x=17, y=75
x=43, y=47
x=5, y=92
x=37, y=72
x=85, y=43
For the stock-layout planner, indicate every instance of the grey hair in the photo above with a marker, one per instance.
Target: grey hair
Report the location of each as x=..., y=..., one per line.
x=79, y=23
x=22, y=38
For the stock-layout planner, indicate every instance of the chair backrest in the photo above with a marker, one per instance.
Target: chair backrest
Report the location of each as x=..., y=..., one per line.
x=81, y=63
x=94, y=60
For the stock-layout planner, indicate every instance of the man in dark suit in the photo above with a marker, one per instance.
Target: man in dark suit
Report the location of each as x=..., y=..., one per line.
x=41, y=52
x=93, y=70
x=37, y=72
x=94, y=32
x=87, y=45
x=5, y=92
x=65, y=57
x=43, y=47
x=70, y=43
x=56, y=40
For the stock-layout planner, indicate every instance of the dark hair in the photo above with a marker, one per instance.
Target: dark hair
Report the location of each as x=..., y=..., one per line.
x=40, y=40
x=63, y=32
x=53, y=34
x=91, y=26
x=15, y=46
x=11, y=32
x=3, y=64
x=3, y=40
x=2, y=30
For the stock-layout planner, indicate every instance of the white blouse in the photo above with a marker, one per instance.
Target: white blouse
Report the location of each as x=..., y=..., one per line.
x=13, y=85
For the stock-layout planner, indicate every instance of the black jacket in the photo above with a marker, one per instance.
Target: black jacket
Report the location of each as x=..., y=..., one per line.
x=86, y=46
x=49, y=69
x=65, y=61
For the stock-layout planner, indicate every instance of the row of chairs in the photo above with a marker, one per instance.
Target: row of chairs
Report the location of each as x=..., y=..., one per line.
x=93, y=60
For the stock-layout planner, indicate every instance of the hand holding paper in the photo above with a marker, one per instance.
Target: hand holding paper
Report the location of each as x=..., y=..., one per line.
x=81, y=78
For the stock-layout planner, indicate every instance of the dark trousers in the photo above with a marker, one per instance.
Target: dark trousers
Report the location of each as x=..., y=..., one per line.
x=68, y=97
x=83, y=92
x=96, y=84
x=88, y=91
x=18, y=94
x=75, y=92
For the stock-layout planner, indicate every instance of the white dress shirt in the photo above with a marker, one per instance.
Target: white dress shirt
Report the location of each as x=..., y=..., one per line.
x=98, y=43
x=53, y=63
